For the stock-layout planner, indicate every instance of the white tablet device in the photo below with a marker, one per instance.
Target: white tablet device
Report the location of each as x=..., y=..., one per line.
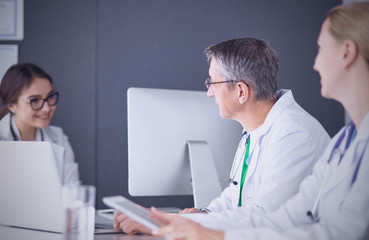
x=130, y=209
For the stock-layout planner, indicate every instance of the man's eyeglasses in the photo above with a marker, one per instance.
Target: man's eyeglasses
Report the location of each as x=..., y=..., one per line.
x=38, y=103
x=208, y=82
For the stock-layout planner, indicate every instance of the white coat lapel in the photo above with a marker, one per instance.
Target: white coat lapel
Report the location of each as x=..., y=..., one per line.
x=346, y=168
x=5, y=132
x=339, y=174
x=236, y=190
x=59, y=152
x=285, y=99
x=342, y=161
x=59, y=156
x=254, y=159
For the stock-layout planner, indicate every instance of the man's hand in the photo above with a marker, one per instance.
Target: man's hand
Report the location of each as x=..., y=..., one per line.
x=129, y=225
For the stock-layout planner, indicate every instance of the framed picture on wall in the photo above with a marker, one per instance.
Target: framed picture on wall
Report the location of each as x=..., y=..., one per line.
x=8, y=57
x=11, y=19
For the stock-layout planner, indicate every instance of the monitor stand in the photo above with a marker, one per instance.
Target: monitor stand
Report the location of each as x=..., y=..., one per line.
x=205, y=180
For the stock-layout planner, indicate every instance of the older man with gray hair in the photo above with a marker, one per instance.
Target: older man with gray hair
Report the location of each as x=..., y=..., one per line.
x=280, y=142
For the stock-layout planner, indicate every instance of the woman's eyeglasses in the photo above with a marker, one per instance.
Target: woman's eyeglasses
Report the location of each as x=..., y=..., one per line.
x=38, y=103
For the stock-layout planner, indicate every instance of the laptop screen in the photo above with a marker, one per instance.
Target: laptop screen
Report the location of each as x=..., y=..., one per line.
x=30, y=186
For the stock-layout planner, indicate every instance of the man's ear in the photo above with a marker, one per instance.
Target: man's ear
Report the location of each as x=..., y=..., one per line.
x=349, y=53
x=243, y=92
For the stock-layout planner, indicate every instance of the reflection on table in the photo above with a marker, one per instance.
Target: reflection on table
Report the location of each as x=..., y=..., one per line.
x=15, y=233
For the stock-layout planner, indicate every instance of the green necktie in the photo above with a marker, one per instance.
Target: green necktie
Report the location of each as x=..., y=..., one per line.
x=244, y=169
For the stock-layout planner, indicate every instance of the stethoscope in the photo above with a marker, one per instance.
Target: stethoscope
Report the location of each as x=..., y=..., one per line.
x=233, y=170
x=17, y=138
x=313, y=214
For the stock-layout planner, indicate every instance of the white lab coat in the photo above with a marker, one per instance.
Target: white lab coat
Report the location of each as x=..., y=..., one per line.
x=343, y=206
x=283, y=151
x=67, y=167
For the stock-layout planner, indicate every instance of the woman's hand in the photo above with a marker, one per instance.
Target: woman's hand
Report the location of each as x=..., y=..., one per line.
x=177, y=227
x=128, y=225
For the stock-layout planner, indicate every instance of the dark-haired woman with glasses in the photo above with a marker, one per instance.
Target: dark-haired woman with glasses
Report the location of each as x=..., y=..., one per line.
x=28, y=104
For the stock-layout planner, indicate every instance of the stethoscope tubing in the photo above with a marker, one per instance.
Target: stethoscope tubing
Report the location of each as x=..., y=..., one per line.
x=234, y=171
x=313, y=214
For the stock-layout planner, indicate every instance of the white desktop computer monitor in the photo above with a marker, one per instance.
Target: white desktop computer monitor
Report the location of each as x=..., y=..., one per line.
x=168, y=129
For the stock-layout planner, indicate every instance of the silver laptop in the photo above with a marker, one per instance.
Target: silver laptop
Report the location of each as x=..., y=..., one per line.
x=30, y=187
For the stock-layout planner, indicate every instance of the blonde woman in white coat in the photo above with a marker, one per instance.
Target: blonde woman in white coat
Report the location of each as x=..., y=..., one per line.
x=333, y=202
x=28, y=104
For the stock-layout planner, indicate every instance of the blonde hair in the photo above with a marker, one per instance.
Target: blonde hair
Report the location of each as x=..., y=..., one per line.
x=351, y=22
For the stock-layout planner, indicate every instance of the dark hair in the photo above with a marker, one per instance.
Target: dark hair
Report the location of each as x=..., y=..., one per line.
x=249, y=60
x=18, y=77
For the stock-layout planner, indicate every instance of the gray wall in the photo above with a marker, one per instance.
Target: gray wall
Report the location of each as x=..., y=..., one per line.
x=96, y=49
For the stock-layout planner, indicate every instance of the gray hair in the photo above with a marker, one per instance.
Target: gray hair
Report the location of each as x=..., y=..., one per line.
x=248, y=60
